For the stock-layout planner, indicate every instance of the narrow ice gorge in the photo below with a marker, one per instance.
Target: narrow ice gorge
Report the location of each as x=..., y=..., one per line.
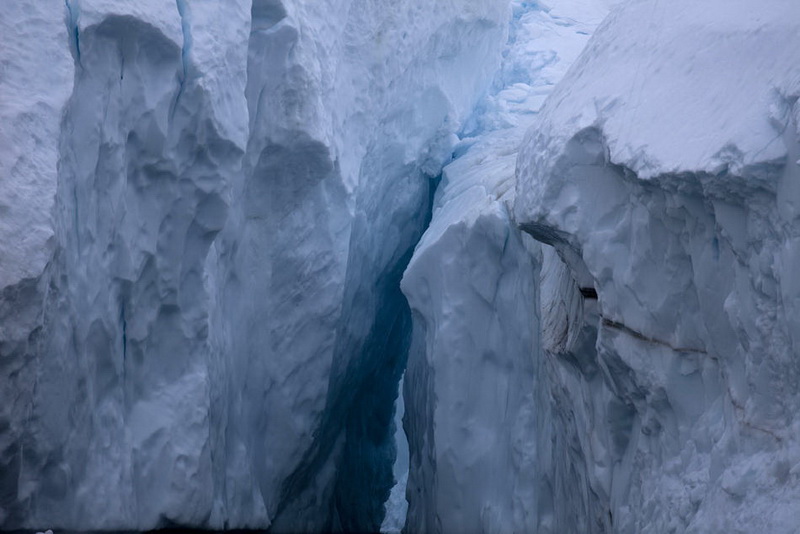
x=201, y=320
x=228, y=229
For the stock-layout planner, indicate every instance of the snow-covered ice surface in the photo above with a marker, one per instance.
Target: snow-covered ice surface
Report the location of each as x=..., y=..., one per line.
x=205, y=210
x=664, y=171
x=473, y=287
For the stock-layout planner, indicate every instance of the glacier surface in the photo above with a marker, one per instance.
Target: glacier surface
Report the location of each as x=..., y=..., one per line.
x=569, y=230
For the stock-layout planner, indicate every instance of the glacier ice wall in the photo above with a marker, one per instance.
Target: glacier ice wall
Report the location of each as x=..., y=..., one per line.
x=471, y=388
x=469, y=381
x=207, y=208
x=31, y=102
x=664, y=172
x=190, y=320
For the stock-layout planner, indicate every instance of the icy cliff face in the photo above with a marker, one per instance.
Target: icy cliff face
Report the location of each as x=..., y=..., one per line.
x=664, y=172
x=31, y=102
x=206, y=210
x=473, y=285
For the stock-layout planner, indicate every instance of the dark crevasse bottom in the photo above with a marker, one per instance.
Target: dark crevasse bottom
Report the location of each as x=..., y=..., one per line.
x=365, y=477
x=357, y=432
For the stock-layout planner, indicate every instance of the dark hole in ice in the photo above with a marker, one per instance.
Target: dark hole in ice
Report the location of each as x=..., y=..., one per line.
x=589, y=293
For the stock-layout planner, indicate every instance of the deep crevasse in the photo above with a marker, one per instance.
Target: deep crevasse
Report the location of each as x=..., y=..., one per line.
x=204, y=272
x=206, y=210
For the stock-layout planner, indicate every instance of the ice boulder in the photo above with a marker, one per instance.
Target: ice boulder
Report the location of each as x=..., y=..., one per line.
x=471, y=388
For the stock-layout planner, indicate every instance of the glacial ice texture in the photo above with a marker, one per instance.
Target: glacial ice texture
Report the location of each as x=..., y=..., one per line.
x=206, y=208
x=473, y=284
x=664, y=172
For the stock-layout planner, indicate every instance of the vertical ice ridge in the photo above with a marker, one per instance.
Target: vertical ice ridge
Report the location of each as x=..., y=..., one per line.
x=473, y=392
x=186, y=46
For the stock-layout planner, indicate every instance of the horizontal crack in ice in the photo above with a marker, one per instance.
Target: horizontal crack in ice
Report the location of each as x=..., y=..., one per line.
x=638, y=335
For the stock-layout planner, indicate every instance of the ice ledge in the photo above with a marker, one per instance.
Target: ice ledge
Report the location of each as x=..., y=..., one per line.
x=663, y=91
